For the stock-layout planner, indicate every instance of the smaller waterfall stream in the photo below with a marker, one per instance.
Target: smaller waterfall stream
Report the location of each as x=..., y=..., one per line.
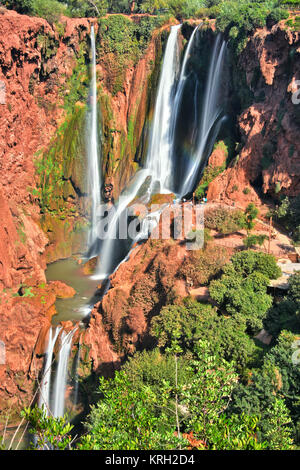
x=93, y=151
x=58, y=402
x=211, y=116
x=159, y=159
x=181, y=85
x=44, y=398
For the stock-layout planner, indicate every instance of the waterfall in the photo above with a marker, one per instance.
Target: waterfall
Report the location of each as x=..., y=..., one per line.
x=211, y=119
x=94, y=183
x=159, y=155
x=44, y=398
x=159, y=158
x=58, y=401
x=181, y=85
x=106, y=261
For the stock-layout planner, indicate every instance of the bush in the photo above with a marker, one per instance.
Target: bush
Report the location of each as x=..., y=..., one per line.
x=202, y=265
x=288, y=214
x=248, y=262
x=224, y=220
x=276, y=15
x=51, y=10
x=242, y=289
x=245, y=14
x=253, y=240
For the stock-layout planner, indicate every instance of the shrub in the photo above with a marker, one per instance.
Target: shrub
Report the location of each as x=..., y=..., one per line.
x=245, y=14
x=248, y=262
x=276, y=15
x=224, y=220
x=51, y=10
x=242, y=289
x=202, y=265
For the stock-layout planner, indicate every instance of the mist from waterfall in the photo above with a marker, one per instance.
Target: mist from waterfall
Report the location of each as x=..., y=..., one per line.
x=94, y=180
x=211, y=117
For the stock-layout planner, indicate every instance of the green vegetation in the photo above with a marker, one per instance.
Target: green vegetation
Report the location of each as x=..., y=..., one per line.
x=288, y=214
x=242, y=289
x=205, y=382
x=122, y=44
x=253, y=240
x=237, y=17
x=224, y=221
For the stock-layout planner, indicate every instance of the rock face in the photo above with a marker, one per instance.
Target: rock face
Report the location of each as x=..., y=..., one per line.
x=44, y=81
x=139, y=289
x=33, y=64
x=24, y=318
x=269, y=156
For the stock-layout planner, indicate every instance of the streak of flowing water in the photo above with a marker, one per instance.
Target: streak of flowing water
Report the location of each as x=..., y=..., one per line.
x=44, y=398
x=211, y=119
x=159, y=158
x=181, y=85
x=105, y=266
x=58, y=402
x=94, y=183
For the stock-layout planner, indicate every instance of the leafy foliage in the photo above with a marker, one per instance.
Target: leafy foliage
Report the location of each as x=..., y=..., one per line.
x=288, y=214
x=242, y=289
x=51, y=433
x=224, y=220
x=202, y=265
x=124, y=418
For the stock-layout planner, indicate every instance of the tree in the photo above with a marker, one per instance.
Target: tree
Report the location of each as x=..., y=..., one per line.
x=88, y=8
x=207, y=396
x=251, y=213
x=125, y=418
x=279, y=434
x=242, y=289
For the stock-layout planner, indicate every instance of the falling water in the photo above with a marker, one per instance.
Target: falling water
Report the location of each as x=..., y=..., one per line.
x=181, y=85
x=44, y=398
x=58, y=402
x=94, y=182
x=211, y=116
x=159, y=158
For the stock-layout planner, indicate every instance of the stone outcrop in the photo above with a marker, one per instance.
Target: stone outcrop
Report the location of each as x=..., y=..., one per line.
x=120, y=323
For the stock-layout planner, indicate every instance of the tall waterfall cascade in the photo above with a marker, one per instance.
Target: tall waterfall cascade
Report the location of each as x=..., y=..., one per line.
x=93, y=153
x=159, y=158
x=211, y=117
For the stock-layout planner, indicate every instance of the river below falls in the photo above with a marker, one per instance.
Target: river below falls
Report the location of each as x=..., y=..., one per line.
x=77, y=307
